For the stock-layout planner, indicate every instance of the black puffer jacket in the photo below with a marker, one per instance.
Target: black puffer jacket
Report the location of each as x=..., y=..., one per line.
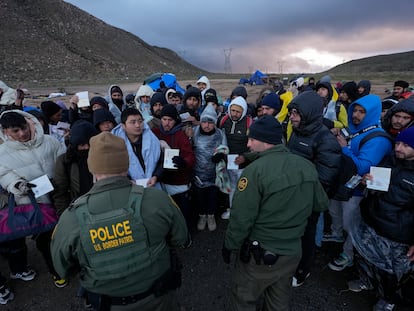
x=313, y=140
x=391, y=213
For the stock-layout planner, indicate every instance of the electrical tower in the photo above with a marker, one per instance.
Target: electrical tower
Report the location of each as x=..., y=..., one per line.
x=227, y=64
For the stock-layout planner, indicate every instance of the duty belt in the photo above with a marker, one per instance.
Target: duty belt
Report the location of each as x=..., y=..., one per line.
x=130, y=299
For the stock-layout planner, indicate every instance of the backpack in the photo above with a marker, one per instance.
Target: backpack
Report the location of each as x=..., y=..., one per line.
x=341, y=191
x=249, y=120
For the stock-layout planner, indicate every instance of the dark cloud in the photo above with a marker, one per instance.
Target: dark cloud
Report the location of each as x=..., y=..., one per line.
x=267, y=34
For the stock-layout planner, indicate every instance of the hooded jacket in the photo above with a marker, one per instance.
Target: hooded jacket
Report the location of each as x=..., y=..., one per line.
x=237, y=131
x=334, y=112
x=151, y=151
x=406, y=106
x=102, y=115
x=9, y=95
x=313, y=140
x=29, y=160
x=112, y=107
x=374, y=150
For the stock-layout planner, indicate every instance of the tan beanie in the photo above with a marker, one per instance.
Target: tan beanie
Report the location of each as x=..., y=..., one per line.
x=107, y=154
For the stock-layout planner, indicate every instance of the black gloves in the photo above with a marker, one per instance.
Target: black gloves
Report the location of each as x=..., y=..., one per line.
x=226, y=254
x=218, y=157
x=179, y=162
x=328, y=123
x=24, y=186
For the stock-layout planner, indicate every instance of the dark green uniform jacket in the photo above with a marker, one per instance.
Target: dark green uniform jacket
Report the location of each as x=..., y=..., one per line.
x=108, y=246
x=275, y=196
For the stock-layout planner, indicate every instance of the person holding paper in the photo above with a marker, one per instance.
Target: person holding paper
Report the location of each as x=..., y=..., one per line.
x=26, y=154
x=384, y=238
x=176, y=181
x=143, y=147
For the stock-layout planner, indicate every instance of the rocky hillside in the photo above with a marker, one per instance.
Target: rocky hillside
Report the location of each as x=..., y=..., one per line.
x=391, y=66
x=50, y=40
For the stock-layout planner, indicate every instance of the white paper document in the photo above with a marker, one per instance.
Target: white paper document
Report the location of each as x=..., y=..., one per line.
x=184, y=116
x=43, y=186
x=83, y=99
x=230, y=162
x=381, y=178
x=142, y=182
x=168, y=155
x=63, y=125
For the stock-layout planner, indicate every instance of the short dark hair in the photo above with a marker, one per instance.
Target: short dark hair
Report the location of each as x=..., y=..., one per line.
x=129, y=112
x=12, y=119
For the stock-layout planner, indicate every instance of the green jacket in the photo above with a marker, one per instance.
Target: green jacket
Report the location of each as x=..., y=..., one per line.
x=163, y=223
x=275, y=195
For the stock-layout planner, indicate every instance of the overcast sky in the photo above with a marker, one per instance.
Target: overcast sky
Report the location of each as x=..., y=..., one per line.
x=269, y=35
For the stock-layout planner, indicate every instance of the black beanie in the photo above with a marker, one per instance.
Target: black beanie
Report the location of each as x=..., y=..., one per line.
x=158, y=97
x=102, y=115
x=49, y=108
x=192, y=92
x=116, y=89
x=170, y=111
x=351, y=89
x=80, y=133
x=239, y=91
x=100, y=101
x=210, y=96
x=401, y=83
x=266, y=129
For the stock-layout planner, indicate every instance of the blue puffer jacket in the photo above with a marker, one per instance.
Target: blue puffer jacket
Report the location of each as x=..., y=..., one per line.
x=374, y=150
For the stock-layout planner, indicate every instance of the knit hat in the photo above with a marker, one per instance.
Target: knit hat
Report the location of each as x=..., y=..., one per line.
x=266, y=129
x=49, y=108
x=327, y=86
x=102, y=115
x=272, y=100
x=116, y=89
x=81, y=132
x=407, y=137
x=210, y=96
x=158, y=97
x=239, y=91
x=351, y=89
x=402, y=83
x=107, y=154
x=192, y=92
x=100, y=101
x=170, y=111
x=209, y=114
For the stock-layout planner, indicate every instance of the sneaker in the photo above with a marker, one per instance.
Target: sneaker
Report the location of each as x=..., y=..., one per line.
x=340, y=263
x=202, y=221
x=358, y=286
x=211, y=223
x=299, y=278
x=60, y=283
x=328, y=237
x=24, y=276
x=5, y=295
x=383, y=305
x=226, y=214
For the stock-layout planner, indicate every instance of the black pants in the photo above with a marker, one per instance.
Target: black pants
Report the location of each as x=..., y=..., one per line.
x=16, y=252
x=308, y=245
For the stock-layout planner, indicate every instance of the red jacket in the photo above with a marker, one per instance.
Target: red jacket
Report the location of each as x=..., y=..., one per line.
x=178, y=140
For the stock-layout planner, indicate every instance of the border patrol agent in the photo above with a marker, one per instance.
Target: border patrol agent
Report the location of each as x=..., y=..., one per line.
x=275, y=195
x=118, y=236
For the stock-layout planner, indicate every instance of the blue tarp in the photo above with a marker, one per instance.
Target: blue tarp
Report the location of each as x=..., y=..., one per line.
x=255, y=79
x=169, y=79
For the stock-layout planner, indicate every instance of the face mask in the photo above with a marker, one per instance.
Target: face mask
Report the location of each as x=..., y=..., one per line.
x=82, y=154
x=119, y=102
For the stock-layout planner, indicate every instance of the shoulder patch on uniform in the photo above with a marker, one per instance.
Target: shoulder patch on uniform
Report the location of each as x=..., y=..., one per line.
x=242, y=185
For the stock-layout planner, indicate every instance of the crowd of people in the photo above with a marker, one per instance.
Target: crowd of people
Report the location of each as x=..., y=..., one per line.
x=136, y=175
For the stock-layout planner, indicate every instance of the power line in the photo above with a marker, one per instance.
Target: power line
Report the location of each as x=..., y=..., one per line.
x=227, y=56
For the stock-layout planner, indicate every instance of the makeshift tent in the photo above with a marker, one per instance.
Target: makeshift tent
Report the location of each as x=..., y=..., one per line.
x=244, y=81
x=169, y=80
x=257, y=78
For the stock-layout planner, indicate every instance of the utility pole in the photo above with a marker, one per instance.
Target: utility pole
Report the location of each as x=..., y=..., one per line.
x=227, y=64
